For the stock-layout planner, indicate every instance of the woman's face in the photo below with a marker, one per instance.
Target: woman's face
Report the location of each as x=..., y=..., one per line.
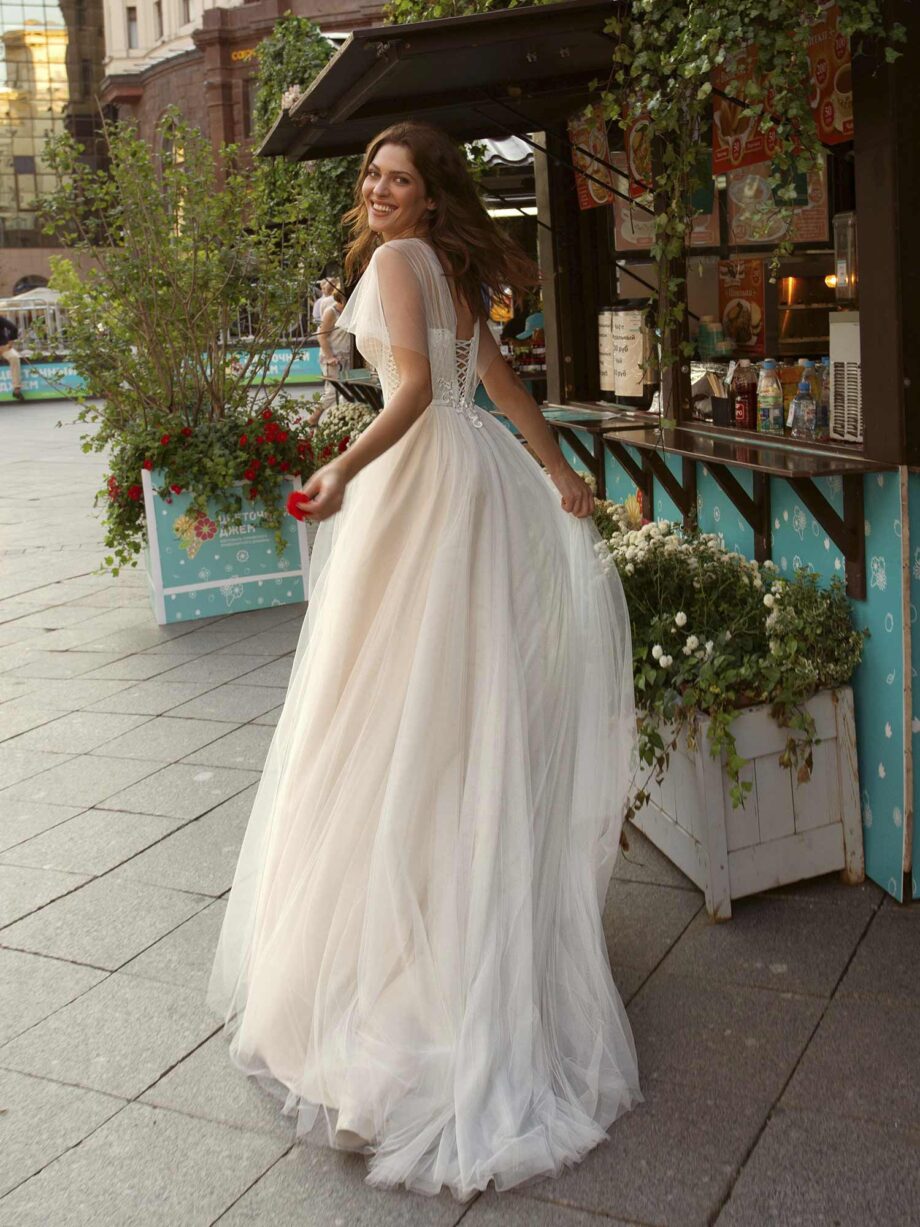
x=394, y=194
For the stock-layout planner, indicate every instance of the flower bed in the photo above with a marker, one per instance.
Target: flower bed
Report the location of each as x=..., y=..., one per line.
x=714, y=636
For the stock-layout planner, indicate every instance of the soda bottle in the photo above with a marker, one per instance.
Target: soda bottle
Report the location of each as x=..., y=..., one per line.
x=801, y=419
x=769, y=400
x=744, y=395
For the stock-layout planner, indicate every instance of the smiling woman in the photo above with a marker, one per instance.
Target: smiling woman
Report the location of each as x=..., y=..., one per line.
x=412, y=956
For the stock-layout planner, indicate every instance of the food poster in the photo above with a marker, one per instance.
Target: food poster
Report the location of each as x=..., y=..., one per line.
x=741, y=304
x=634, y=227
x=637, y=138
x=200, y=565
x=736, y=137
x=831, y=97
x=591, y=154
x=754, y=218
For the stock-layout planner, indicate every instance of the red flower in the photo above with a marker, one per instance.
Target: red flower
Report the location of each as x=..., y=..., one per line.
x=249, y=421
x=282, y=436
x=284, y=466
x=343, y=443
x=244, y=439
x=272, y=460
x=326, y=452
x=176, y=489
x=253, y=492
x=164, y=440
x=250, y=474
x=295, y=501
x=260, y=438
x=266, y=415
x=186, y=431
x=148, y=465
x=134, y=492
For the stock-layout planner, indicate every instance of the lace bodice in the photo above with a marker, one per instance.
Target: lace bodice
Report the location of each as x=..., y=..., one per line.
x=404, y=301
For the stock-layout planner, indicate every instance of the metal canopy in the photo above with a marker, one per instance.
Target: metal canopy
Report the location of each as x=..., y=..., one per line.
x=490, y=75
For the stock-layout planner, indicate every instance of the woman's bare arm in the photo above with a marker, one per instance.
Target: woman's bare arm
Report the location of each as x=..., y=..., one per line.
x=510, y=396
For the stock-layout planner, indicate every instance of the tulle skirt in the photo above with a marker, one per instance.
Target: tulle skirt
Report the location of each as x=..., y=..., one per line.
x=412, y=957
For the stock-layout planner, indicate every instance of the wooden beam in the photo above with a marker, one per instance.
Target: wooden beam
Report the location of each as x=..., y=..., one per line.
x=755, y=509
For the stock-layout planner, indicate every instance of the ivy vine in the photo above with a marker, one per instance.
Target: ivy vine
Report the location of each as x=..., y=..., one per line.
x=664, y=56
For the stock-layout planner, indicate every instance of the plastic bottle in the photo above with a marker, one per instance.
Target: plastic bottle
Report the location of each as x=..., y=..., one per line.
x=812, y=378
x=801, y=419
x=823, y=403
x=769, y=400
x=744, y=395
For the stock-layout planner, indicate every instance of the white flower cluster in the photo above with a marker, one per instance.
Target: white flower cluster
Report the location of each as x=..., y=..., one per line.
x=291, y=96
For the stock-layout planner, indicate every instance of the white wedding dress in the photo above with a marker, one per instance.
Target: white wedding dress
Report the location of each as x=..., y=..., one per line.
x=412, y=956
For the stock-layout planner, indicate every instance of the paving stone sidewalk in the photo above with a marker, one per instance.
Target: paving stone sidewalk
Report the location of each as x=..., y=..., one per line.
x=779, y=1052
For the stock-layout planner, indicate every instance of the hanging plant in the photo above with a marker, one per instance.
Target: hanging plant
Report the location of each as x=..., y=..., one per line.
x=664, y=59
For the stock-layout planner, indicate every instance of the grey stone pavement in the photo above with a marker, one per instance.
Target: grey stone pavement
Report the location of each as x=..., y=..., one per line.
x=779, y=1053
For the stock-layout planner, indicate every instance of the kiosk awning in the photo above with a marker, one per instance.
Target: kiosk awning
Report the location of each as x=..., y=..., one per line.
x=489, y=75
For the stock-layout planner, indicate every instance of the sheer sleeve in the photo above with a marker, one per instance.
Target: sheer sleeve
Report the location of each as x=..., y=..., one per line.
x=488, y=349
x=390, y=306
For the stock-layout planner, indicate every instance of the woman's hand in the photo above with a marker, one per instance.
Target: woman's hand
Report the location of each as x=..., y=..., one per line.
x=577, y=497
x=325, y=490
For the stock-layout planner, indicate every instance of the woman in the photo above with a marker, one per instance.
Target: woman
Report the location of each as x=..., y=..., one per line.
x=413, y=944
x=335, y=351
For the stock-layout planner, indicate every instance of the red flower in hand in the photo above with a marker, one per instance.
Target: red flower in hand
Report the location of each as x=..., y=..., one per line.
x=148, y=465
x=134, y=493
x=295, y=502
x=164, y=440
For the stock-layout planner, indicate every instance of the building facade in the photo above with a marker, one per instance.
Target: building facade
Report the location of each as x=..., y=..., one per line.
x=205, y=66
x=66, y=63
x=51, y=68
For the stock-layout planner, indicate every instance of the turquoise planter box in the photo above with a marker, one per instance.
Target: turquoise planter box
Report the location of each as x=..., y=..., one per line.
x=206, y=567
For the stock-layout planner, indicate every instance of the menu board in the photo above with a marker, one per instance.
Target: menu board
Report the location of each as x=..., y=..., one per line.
x=831, y=97
x=638, y=141
x=589, y=133
x=736, y=137
x=634, y=227
x=754, y=218
x=741, y=304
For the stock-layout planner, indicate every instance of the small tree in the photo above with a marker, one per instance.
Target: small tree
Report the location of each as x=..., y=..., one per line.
x=179, y=247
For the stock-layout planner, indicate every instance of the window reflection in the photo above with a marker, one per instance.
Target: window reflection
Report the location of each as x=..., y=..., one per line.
x=50, y=68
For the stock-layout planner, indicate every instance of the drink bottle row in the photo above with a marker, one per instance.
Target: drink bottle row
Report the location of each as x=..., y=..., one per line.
x=759, y=402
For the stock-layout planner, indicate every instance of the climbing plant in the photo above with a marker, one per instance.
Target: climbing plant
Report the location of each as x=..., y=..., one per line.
x=314, y=193
x=665, y=52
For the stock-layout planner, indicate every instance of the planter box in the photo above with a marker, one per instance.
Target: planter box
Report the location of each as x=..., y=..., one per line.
x=786, y=831
x=221, y=568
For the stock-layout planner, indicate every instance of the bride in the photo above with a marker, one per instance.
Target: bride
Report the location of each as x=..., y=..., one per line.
x=412, y=957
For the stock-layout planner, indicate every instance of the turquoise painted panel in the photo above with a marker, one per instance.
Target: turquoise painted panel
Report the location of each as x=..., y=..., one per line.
x=665, y=508
x=42, y=381
x=202, y=565
x=798, y=539
x=59, y=380
x=914, y=506
x=716, y=513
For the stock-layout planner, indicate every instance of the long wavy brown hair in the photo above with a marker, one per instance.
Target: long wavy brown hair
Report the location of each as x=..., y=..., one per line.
x=483, y=260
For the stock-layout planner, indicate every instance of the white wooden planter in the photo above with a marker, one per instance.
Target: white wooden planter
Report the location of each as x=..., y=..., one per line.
x=786, y=831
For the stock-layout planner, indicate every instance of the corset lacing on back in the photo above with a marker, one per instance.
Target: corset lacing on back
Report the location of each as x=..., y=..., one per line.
x=465, y=403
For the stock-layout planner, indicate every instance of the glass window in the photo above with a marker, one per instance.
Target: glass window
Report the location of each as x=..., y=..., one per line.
x=133, y=36
x=186, y=11
x=50, y=68
x=157, y=18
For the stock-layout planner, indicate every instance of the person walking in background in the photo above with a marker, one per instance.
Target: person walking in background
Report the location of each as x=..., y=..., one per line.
x=8, y=334
x=335, y=352
x=326, y=288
